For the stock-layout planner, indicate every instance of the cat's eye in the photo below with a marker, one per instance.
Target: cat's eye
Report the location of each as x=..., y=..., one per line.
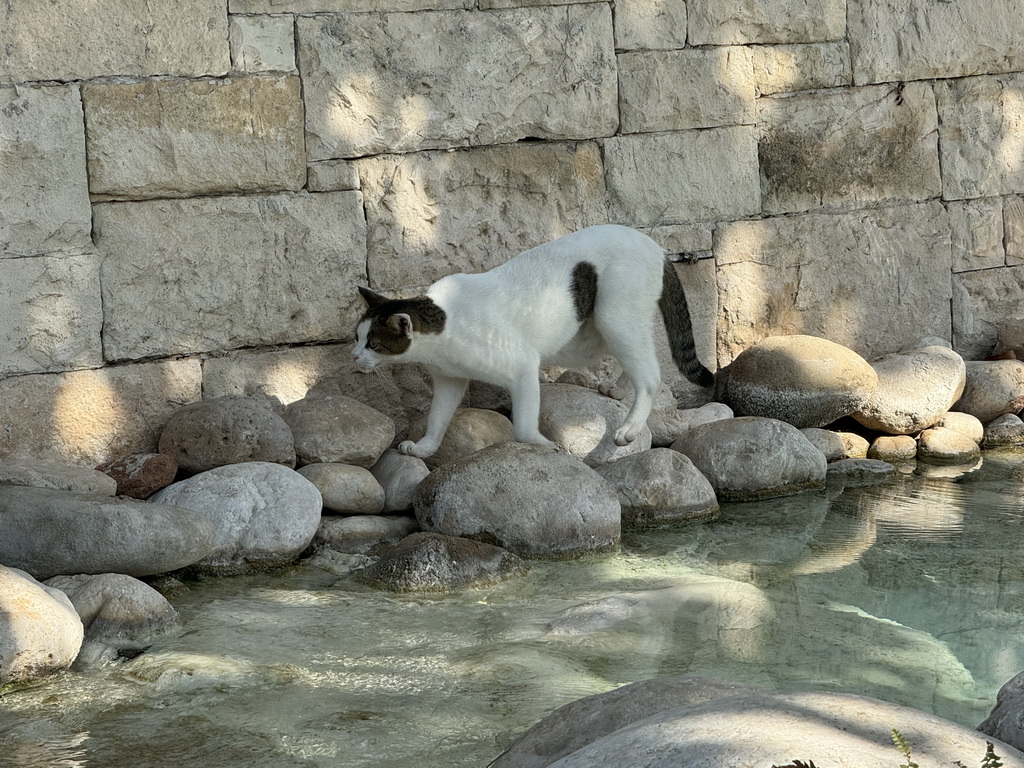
x=373, y=345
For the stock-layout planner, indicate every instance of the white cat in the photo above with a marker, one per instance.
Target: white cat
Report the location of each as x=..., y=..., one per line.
x=567, y=302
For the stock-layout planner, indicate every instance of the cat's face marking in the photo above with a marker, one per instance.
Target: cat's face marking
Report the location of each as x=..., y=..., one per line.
x=388, y=329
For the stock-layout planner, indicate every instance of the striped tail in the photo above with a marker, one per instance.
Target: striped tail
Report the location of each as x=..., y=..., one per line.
x=676, y=315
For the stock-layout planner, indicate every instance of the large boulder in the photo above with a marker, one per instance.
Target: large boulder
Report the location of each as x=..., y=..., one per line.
x=40, y=632
x=915, y=389
x=803, y=380
x=432, y=562
x=226, y=430
x=336, y=428
x=57, y=477
x=749, y=458
x=1006, y=720
x=48, y=533
x=993, y=387
x=534, y=501
x=647, y=725
x=263, y=514
x=659, y=487
x=583, y=423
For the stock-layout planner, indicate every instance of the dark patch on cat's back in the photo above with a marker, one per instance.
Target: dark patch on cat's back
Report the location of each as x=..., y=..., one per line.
x=584, y=290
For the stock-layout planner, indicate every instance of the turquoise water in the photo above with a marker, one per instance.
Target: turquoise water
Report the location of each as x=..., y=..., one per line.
x=911, y=591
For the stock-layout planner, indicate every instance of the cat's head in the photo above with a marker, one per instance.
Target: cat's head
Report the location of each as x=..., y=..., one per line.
x=389, y=328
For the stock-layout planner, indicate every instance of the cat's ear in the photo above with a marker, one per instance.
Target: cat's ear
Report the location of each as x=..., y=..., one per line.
x=401, y=324
x=371, y=298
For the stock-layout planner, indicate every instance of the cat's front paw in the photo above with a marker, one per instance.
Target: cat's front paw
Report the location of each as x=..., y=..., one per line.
x=626, y=435
x=612, y=390
x=419, y=450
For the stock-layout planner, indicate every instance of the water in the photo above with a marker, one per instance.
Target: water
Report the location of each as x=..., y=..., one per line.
x=912, y=591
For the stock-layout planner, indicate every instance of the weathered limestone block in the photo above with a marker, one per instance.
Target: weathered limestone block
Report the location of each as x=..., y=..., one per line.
x=344, y=6
x=371, y=78
x=977, y=233
x=983, y=303
x=982, y=130
x=434, y=213
x=693, y=88
x=848, y=148
x=44, y=205
x=180, y=138
x=650, y=25
x=332, y=176
x=802, y=67
x=82, y=39
x=738, y=22
x=894, y=40
x=50, y=313
x=262, y=43
x=185, y=276
x=684, y=239
x=88, y=417
x=1013, y=229
x=880, y=283
x=688, y=176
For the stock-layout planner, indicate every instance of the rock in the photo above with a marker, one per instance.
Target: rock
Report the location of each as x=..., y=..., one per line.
x=583, y=423
x=362, y=534
x=944, y=446
x=531, y=500
x=263, y=514
x=854, y=472
x=668, y=425
x=1004, y=721
x=964, y=423
x=40, y=632
x=335, y=428
x=117, y=610
x=346, y=489
x=826, y=441
x=1007, y=429
x=48, y=533
x=659, y=487
x=226, y=430
x=894, y=449
x=140, y=475
x=749, y=458
x=431, y=562
x=399, y=475
x=807, y=67
x=743, y=727
x=734, y=22
x=57, y=477
x=803, y=380
x=854, y=446
x=994, y=387
x=470, y=430
x=915, y=389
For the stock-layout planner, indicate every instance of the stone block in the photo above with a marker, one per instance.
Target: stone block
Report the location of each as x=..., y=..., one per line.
x=332, y=176
x=848, y=148
x=82, y=39
x=434, y=213
x=682, y=177
x=184, y=276
x=684, y=239
x=44, y=198
x=984, y=303
x=806, y=67
x=693, y=88
x=900, y=40
x=345, y=6
x=179, y=138
x=650, y=25
x=1013, y=229
x=977, y=227
x=372, y=80
x=262, y=43
x=875, y=281
x=50, y=314
x=89, y=417
x=982, y=130
x=739, y=22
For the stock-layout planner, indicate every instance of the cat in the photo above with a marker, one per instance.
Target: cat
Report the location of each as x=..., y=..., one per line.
x=568, y=302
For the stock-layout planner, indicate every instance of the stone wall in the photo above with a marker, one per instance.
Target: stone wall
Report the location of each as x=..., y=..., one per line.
x=190, y=191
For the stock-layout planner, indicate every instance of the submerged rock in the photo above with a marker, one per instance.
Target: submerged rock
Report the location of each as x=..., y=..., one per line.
x=749, y=458
x=362, y=534
x=853, y=472
x=531, y=500
x=432, y=562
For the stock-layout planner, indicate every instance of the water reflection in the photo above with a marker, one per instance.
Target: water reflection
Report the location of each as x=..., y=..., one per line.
x=911, y=591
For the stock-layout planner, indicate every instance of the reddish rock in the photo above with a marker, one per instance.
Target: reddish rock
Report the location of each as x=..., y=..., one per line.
x=140, y=475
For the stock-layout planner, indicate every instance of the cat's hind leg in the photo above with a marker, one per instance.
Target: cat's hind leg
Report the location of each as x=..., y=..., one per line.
x=636, y=354
x=525, y=391
x=448, y=392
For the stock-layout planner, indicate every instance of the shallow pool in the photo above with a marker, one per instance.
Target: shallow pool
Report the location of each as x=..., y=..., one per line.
x=911, y=591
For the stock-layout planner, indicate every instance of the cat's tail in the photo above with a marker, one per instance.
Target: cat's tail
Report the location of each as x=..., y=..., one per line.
x=676, y=315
